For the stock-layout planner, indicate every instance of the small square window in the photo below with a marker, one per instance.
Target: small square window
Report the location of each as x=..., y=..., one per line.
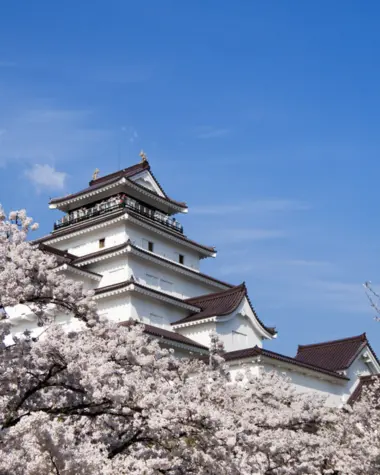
x=150, y=246
x=102, y=243
x=181, y=258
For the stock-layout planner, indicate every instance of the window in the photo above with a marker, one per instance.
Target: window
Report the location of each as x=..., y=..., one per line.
x=148, y=245
x=181, y=258
x=102, y=243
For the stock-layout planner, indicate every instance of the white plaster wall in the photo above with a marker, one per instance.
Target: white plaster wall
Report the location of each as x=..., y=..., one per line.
x=199, y=333
x=357, y=369
x=238, y=333
x=304, y=383
x=119, y=232
x=88, y=242
x=183, y=286
x=155, y=312
x=162, y=245
x=307, y=383
x=113, y=270
x=117, y=308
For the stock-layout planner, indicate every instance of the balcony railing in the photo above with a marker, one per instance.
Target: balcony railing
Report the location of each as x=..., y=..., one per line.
x=114, y=204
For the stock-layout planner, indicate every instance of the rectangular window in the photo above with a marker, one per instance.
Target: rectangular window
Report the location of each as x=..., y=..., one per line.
x=181, y=258
x=150, y=246
x=102, y=243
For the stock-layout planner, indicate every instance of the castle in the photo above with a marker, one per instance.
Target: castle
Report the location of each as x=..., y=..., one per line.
x=120, y=237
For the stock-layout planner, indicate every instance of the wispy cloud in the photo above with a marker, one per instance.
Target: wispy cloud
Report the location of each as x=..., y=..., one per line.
x=257, y=206
x=208, y=132
x=46, y=177
x=42, y=133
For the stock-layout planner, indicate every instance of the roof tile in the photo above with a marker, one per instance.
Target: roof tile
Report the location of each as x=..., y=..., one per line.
x=333, y=355
x=219, y=304
x=166, y=334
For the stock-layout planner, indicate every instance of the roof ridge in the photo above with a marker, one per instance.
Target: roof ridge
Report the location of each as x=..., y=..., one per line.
x=138, y=166
x=362, y=337
x=206, y=297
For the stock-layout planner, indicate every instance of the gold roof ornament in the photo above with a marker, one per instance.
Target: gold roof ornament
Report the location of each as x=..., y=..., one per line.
x=95, y=174
x=143, y=156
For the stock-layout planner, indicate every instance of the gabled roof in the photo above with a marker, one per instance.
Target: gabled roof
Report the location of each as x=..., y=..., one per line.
x=161, y=333
x=126, y=173
x=256, y=351
x=336, y=355
x=219, y=304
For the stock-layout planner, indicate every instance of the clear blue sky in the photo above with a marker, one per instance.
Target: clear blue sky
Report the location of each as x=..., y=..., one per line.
x=262, y=115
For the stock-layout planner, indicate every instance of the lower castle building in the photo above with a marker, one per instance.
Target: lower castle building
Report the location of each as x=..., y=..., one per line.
x=120, y=238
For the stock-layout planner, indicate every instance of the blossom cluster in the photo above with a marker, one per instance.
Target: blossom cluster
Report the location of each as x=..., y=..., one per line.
x=107, y=399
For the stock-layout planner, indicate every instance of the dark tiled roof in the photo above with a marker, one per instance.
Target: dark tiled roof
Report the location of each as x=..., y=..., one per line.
x=62, y=256
x=256, y=351
x=216, y=304
x=113, y=178
x=101, y=252
x=125, y=172
x=167, y=335
x=219, y=304
x=334, y=355
x=364, y=382
x=120, y=247
x=70, y=266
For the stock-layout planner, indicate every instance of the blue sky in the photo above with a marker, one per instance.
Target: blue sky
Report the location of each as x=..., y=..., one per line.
x=263, y=116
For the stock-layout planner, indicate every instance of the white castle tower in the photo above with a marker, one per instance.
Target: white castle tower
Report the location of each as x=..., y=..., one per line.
x=120, y=238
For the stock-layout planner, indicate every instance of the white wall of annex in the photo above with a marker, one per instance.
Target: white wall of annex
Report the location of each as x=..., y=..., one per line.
x=357, y=369
x=312, y=383
x=309, y=384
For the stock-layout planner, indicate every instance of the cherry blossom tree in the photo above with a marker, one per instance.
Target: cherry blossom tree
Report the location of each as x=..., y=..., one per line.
x=106, y=399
